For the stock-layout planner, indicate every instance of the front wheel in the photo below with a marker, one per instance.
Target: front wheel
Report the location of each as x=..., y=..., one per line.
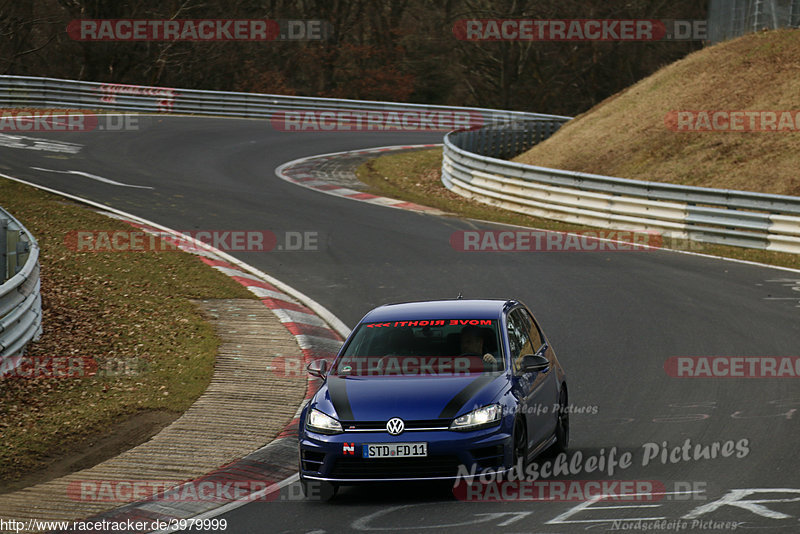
x=520, y=444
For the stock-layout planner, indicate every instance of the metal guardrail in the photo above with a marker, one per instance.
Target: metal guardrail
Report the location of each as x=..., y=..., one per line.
x=27, y=91
x=731, y=18
x=473, y=167
x=20, y=298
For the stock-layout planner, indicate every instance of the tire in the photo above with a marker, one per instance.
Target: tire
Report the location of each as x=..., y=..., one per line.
x=562, y=424
x=327, y=491
x=519, y=444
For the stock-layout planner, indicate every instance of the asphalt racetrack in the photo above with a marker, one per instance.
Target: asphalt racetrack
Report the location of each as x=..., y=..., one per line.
x=614, y=319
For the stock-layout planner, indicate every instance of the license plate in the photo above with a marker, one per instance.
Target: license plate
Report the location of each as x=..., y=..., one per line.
x=395, y=450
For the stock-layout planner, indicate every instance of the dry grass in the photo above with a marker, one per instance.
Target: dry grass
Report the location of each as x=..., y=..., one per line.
x=131, y=313
x=626, y=135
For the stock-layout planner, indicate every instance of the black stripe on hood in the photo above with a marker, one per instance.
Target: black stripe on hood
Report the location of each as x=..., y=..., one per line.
x=461, y=398
x=337, y=389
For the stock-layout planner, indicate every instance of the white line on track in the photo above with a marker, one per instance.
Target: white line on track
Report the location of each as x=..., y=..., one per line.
x=93, y=177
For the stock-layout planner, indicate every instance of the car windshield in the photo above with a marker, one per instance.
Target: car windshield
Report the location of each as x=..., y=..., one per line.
x=423, y=347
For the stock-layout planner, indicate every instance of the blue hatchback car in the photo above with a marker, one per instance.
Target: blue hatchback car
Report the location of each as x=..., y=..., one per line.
x=430, y=390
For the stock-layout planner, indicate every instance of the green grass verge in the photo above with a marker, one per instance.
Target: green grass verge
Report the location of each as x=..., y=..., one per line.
x=131, y=312
x=415, y=176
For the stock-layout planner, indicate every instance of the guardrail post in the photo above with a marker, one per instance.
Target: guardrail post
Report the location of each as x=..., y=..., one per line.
x=22, y=250
x=4, y=264
x=13, y=234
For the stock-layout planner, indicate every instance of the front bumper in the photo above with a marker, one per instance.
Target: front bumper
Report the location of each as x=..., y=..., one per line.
x=338, y=458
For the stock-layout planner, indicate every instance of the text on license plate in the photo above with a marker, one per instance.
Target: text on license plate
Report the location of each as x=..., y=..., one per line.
x=394, y=450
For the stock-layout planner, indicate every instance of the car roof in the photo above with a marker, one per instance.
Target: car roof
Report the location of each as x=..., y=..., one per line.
x=440, y=309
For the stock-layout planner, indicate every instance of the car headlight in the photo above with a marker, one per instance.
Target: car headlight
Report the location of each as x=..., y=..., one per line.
x=322, y=423
x=482, y=417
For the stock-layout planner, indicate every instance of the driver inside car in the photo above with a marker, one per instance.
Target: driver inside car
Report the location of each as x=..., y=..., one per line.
x=472, y=344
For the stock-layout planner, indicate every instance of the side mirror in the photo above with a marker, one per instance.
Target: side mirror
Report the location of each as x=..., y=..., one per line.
x=317, y=368
x=534, y=363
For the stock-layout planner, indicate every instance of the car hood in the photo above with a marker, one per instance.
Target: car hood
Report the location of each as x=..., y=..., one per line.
x=355, y=398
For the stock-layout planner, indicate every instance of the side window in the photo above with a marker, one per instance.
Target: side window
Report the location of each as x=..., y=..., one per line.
x=533, y=331
x=518, y=339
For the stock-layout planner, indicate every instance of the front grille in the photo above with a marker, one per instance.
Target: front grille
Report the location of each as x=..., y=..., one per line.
x=409, y=425
x=432, y=466
x=312, y=461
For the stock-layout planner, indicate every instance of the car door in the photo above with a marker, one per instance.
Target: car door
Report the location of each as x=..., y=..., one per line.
x=528, y=387
x=546, y=382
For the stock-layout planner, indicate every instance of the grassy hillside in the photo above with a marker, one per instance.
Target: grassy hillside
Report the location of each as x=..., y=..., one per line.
x=628, y=135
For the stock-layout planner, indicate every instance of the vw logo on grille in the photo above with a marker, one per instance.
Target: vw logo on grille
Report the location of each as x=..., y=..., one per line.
x=395, y=426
